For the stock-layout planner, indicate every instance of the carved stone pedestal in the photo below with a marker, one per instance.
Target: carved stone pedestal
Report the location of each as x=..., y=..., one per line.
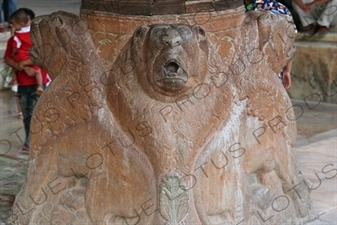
x=186, y=122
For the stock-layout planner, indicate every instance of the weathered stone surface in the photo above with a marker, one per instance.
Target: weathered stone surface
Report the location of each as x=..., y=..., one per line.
x=193, y=7
x=158, y=7
x=110, y=32
x=170, y=134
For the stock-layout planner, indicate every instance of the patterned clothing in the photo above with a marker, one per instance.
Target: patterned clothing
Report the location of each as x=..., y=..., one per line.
x=271, y=5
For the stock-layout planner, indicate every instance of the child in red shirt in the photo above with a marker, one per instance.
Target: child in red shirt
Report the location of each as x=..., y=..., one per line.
x=21, y=44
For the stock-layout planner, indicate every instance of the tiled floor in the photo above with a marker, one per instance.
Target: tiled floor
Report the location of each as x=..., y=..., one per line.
x=317, y=156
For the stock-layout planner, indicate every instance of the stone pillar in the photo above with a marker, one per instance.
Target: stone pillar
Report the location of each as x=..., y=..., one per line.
x=112, y=23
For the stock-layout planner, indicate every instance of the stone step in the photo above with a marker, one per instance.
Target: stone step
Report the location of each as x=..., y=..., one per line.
x=330, y=37
x=305, y=142
x=314, y=71
x=323, y=136
x=323, y=47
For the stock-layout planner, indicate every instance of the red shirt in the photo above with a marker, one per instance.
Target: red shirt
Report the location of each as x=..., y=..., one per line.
x=22, y=43
x=22, y=77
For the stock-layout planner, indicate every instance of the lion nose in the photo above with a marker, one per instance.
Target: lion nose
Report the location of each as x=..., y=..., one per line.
x=56, y=21
x=172, y=38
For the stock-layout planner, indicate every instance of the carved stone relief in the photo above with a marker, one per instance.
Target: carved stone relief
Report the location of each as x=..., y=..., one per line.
x=169, y=134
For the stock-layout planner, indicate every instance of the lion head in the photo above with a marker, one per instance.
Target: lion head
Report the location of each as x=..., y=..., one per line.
x=170, y=60
x=63, y=47
x=57, y=39
x=169, y=77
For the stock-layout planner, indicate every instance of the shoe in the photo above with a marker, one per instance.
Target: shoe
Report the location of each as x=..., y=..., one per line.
x=312, y=30
x=2, y=28
x=322, y=31
x=20, y=116
x=39, y=91
x=25, y=149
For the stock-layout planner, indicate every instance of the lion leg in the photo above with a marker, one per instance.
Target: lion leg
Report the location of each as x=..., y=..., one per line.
x=105, y=204
x=282, y=161
x=95, y=200
x=294, y=185
x=34, y=191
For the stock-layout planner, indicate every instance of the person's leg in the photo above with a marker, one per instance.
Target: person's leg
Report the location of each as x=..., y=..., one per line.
x=31, y=104
x=334, y=22
x=12, y=6
x=328, y=13
x=9, y=7
x=23, y=100
x=306, y=19
x=38, y=78
x=28, y=99
x=5, y=10
x=2, y=27
x=14, y=81
x=39, y=81
x=1, y=21
x=18, y=107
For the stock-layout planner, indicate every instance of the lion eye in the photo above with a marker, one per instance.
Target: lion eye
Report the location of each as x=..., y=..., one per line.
x=184, y=31
x=138, y=33
x=159, y=32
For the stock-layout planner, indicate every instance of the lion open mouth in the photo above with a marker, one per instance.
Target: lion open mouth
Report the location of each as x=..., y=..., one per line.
x=171, y=76
x=171, y=69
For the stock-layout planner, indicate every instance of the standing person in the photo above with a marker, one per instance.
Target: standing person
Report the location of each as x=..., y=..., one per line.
x=9, y=7
x=21, y=44
x=317, y=15
x=277, y=8
x=27, y=85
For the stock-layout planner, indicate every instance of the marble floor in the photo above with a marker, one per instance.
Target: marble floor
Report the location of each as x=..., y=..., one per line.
x=317, y=156
x=316, y=152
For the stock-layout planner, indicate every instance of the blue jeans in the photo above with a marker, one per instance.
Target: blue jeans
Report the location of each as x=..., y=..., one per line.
x=9, y=6
x=27, y=99
x=1, y=21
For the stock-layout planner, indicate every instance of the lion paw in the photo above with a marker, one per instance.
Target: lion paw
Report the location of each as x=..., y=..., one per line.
x=73, y=199
x=301, y=195
x=69, y=210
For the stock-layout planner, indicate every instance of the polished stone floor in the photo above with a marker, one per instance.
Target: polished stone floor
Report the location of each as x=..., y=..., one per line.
x=316, y=151
x=45, y=7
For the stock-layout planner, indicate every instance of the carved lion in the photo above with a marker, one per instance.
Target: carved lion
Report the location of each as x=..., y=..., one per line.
x=147, y=141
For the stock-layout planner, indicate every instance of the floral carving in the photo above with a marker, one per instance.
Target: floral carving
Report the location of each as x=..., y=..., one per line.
x=173, y=199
